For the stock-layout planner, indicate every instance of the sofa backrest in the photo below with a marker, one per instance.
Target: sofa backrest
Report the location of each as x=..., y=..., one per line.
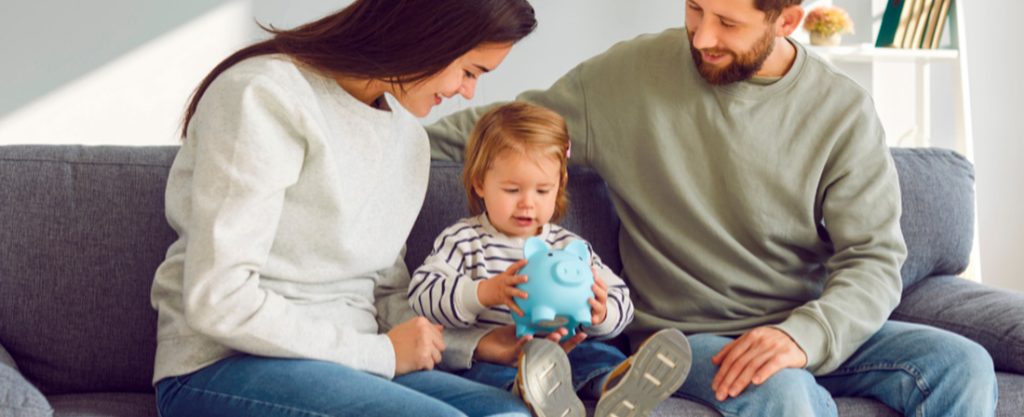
x=938, y=211
x=82, y=230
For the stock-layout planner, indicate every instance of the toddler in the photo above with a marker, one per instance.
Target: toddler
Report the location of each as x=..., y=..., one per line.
x=515, y=176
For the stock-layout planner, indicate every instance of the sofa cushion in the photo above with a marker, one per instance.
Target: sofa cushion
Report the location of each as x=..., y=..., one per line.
x=18, y=398
x=938, y=211
x=1011, y=395
x=83, y=232
x=591, y=213
x=104, y=405
x=990, y=316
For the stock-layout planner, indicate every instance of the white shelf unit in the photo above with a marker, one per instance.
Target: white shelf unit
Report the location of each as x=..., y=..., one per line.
x=923, y=59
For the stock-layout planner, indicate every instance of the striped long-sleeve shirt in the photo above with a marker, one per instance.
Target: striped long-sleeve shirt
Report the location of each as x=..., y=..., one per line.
x=444, y=288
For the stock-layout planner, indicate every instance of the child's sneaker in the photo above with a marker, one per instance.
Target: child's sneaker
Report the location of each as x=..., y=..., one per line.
x=544, y=381
x=642, y=381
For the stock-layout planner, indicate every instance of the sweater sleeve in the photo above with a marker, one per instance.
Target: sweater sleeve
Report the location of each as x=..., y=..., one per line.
x=249, y=149
x=620, y=307
x=448, y=136
x=566, y=97
x=860, y=211
x=441, y=290
x=389, y=295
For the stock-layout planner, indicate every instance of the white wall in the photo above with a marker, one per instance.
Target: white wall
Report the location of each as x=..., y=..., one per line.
x=63, y=92
x=995, y=63
x=136, y=98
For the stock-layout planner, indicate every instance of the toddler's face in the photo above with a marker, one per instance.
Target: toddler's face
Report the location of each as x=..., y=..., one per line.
x=519, y=192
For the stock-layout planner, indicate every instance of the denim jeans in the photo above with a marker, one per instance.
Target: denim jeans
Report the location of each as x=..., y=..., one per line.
x=916, y=370
x=256, y=386
x=589, y=361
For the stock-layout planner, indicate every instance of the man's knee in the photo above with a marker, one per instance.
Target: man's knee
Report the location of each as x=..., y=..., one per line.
x=790, y=392
x=967, y=365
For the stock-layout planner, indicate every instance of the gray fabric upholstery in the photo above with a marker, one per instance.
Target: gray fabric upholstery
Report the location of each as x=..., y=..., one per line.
x=82, y=230
x=18, y=398
x=104, y=405
x=990, y=316
x=938, y=211
x=1011, y=395
x=85, y=228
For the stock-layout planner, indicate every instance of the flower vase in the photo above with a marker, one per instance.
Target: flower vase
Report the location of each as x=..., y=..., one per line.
x=825, y=40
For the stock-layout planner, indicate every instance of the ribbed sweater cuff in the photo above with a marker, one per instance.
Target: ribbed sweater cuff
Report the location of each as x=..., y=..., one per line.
x=460, y=344
x=380, y=359
x=810, y=335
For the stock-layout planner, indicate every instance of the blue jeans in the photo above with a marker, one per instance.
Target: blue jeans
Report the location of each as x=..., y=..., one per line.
x=916, y=370
x=589, y=361
x=256, y=386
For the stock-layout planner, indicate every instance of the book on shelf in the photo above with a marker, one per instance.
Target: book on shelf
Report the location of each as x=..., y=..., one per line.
x=922, y=24
x=890, y=23
x=940, y=16
x=913, y=24
x=915, y=17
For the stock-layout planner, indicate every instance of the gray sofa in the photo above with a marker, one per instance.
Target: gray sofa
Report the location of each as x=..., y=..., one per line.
x=82, y=229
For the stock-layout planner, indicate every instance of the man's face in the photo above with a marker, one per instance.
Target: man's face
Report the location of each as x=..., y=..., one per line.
x=729, y=39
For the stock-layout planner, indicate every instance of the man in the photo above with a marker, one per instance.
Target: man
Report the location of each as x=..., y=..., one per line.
x=760, y=215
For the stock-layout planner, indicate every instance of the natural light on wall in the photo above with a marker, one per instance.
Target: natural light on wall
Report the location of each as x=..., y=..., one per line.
x=137, y=99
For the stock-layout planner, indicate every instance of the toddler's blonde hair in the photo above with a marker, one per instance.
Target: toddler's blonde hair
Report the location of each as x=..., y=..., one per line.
x=526, y=128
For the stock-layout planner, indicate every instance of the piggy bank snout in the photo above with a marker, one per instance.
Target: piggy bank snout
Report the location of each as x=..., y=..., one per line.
x=569, y=273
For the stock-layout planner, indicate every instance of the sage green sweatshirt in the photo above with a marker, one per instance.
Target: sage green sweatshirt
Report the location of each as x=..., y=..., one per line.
x=745, y=205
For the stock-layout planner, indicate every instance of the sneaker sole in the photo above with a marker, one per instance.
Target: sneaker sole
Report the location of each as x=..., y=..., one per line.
x=546, y=381
x=658, y=369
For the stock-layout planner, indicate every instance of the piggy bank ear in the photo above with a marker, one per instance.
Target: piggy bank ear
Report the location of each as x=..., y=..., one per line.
x=533, y=246
x=579, y=249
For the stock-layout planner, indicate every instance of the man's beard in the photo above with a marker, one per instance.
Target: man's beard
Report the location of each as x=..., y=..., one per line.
x=742, y=67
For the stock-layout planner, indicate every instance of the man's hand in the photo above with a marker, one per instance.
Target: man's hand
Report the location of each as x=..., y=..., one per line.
x=418, y=345
x=754, y=357
x=500, y=345
x=501, y=288
x=598, y=304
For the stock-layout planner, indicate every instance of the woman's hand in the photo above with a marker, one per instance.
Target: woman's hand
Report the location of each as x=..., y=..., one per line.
x=418, y=345
x=598, y=304
x=501, y=289
x=500, y=346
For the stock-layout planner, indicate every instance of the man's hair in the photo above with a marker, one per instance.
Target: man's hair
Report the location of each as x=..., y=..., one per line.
x=773, y=8
x=520, y=127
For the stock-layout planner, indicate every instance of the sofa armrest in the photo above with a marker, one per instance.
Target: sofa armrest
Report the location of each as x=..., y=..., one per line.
x=18, y=398
x=992, y=317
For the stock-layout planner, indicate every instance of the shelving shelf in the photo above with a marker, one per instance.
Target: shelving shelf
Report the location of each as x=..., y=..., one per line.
x=869, y=53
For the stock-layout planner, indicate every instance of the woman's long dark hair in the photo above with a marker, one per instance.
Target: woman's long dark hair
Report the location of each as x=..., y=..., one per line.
x=398, y=41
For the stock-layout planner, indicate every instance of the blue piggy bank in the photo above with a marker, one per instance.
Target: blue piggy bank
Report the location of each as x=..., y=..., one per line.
x=559, y=285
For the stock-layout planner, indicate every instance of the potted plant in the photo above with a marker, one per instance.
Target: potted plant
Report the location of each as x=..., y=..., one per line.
x=827, y=24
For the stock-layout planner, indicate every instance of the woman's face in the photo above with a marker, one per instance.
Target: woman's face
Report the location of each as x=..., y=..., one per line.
x=458, y=78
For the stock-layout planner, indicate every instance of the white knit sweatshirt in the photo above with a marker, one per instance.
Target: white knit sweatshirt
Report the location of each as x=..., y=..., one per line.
x=292, y=201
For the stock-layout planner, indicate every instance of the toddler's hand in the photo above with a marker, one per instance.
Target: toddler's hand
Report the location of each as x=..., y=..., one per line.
x=501, y=288
x=598, y=304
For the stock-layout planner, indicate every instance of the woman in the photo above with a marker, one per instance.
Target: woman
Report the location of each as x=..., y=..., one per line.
x=298, y=181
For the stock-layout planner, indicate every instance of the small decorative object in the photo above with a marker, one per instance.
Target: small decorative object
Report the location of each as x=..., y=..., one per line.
x=827, y=24
x=559, y=286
